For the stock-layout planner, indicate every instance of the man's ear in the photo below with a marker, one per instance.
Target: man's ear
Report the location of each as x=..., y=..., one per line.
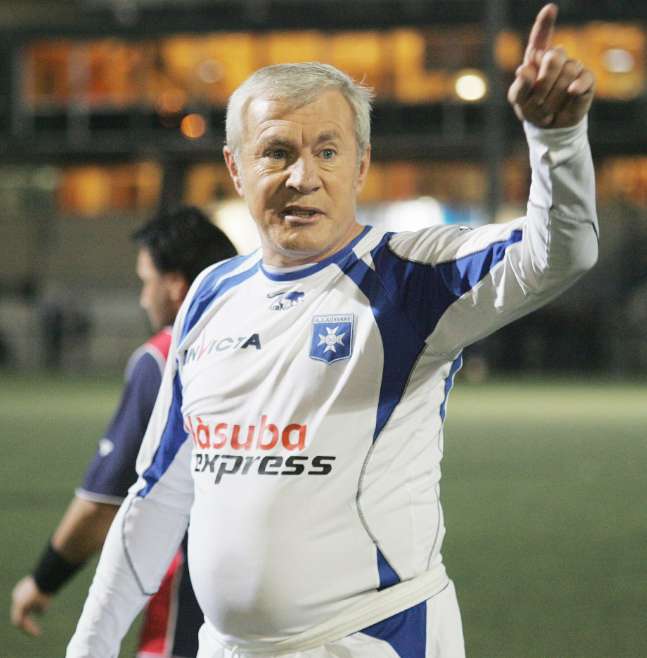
x=177, y=287
x=234, y=172
x=362, y=170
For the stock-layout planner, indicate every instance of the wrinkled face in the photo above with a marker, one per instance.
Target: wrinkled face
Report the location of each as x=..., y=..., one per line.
x=159, y=294
x=298, y=172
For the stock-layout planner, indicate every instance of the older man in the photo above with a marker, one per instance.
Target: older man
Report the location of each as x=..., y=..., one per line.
x=303, y=439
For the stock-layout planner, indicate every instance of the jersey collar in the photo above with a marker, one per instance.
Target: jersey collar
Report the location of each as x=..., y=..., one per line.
x=316, y=267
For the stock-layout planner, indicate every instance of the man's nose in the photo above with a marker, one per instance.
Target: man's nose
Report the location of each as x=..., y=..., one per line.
x=304, y=177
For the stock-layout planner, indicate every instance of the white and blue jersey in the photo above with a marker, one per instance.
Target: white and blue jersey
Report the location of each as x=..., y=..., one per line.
x=299, y=427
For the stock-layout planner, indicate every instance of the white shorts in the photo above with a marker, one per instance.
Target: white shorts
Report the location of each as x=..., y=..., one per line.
x=431, y=629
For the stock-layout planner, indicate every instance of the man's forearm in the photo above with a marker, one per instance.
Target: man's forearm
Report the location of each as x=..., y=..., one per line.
x=79, y=535
x=562, y=221
x=83, y=529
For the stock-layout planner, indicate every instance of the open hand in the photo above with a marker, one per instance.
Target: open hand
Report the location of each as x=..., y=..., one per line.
x=550, y=90
x=26, y=599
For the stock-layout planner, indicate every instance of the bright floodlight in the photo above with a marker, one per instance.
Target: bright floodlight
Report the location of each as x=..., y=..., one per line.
x=470, y=86
x=618, y=60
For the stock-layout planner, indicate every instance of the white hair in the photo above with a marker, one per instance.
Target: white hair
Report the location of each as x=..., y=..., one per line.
x=298, y=85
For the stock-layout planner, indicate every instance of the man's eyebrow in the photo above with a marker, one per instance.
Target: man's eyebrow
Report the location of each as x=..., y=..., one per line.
x=274, y=142
x=328, y=136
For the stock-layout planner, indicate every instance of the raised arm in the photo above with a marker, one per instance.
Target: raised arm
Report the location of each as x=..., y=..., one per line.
x=459, y=285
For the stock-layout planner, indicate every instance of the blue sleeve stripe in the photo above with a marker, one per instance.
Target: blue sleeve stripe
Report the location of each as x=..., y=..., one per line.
x=461, y=275
x=214, y=285
x=170, y=443
x=174, y=436
x=449, y=383
x=427, y=291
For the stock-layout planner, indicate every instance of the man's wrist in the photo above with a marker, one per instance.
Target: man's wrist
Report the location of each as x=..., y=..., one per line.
x=556, y=146
x=52, y=570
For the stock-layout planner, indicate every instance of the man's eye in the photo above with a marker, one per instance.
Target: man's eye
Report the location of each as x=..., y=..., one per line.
x=328, y=154
x=276, y=154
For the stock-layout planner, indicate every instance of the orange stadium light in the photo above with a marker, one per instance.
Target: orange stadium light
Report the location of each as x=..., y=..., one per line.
x=193, y=126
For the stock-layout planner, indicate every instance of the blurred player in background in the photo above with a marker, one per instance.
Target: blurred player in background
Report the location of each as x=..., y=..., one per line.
x=299, y=426
x=172, y=250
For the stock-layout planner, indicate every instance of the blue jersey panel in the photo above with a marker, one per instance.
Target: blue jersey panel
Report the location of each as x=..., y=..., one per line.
x=401, y=345
x=401, y=350
x=426, y=291
x=406, y=632
x=112, y=470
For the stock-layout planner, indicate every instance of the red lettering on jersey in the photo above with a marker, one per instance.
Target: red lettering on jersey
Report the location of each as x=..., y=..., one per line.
x=293, y=436
x=202, y=430
x=235, y=433
x=285, y=437
x=272, y=429
x=220, y=431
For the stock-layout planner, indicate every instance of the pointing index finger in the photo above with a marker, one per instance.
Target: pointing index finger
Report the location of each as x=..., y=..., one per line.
x=541, y=34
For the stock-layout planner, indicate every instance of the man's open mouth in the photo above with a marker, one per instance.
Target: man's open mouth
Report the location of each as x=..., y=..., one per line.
x=300, y=212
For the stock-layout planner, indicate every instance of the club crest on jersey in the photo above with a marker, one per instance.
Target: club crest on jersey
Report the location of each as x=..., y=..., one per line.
x=332, y=337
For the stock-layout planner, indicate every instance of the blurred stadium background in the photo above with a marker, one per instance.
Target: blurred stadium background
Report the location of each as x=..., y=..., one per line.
x=110, y=109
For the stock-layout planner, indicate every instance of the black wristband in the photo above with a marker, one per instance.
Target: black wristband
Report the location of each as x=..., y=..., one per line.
x=53, y=570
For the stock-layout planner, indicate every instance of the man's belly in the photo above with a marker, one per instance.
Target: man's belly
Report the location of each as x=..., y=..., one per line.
x=271, y=556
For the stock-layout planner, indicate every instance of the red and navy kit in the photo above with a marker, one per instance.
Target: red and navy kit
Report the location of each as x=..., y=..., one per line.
x=173, y=617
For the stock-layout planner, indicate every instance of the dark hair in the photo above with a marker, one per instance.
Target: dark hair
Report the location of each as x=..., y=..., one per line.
x=183, y=240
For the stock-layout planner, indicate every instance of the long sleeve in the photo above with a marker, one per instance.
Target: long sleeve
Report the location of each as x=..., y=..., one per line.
x=458, y=285
x=147, y=529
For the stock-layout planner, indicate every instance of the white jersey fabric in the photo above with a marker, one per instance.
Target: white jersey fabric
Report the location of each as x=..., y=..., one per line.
x=299, y=427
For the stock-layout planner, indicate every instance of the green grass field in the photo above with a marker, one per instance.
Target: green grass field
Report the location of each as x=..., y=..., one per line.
x=544, y=492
